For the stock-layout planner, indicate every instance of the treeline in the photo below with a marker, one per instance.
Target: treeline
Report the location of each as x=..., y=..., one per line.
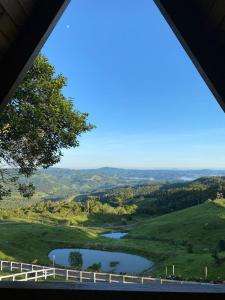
x=68, y=210
x=152, y=199
x=157, y=198
x=175, y=197
x=121, y=196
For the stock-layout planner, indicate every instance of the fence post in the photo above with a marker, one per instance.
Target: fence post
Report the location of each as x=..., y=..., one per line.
x=173, y=270
x=53, y=260
x=206, y=272
x=67, y=274
x=161, y=281
x=124, y=279
x=35, y=275
x=142, y=280
x=25, y=276
x=13, y=277
x=1, y=265
x=11, y=266
x=54, y=273
x=94, y=278
x=45, y=274
x=21, y=267
x=110, y=278
x=80, y=276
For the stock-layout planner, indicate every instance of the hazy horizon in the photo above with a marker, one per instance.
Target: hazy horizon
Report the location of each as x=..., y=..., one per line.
x=141, y=169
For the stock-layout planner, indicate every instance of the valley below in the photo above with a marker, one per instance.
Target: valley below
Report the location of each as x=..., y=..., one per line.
x=161, y=229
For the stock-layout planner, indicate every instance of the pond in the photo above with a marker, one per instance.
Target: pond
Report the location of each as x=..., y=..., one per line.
x=115, y=235
x=112, y=262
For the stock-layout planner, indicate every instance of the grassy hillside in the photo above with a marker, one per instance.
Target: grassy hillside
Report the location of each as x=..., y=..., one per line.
x=191, y=236
x=186, y=238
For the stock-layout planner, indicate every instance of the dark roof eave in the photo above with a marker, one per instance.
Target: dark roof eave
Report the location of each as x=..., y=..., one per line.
x=201, y=41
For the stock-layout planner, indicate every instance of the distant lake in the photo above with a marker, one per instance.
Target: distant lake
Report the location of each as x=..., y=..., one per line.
x=126, y=263
x=186, y=178
x=115, y=235
x=141, y=178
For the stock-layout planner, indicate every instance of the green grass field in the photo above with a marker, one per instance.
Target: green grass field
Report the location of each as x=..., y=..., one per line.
x=186, y=238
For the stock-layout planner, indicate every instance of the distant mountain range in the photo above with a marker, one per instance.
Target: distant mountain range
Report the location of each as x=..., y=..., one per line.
x=61, y=182
x=127, y=175
x=58, y=183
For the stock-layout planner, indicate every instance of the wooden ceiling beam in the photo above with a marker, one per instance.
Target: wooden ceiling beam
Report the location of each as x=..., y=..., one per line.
x=27, y=45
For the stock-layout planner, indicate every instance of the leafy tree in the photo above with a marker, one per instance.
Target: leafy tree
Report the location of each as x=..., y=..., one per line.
x=75, y=259
x=93, y=205
x=36, y=125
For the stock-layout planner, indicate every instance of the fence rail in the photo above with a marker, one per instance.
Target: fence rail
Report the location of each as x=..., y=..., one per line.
x=30, y=275
x=34, y=272
x=82, y=276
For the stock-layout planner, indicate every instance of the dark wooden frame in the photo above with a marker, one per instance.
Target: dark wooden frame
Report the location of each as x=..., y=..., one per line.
x=16, y=63
x=202, y=42
x=71, y=291
x=28, y=44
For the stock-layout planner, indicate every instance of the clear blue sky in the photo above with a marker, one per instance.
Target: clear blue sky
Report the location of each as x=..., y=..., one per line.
x=126, y=68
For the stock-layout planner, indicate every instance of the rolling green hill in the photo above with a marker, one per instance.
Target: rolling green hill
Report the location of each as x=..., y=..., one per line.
x=158, y=198
x=171, y=223
x=58, y=184
x=172, y=197
x=189, y=239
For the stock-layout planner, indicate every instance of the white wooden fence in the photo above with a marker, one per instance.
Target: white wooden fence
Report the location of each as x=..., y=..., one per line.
x=34, y=272
x=30, y=275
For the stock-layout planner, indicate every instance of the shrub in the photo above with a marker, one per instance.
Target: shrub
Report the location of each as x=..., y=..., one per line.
x=75, y=259
x=96, y=267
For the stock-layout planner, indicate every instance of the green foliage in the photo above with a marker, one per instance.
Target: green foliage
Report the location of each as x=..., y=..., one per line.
x=121, y=196
x=27, y=190
x=149, y=199
x=173, y=197
x=75, y=259
x=160, y=198
x=67, y=212
x=37, y=124
x=95, y=267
